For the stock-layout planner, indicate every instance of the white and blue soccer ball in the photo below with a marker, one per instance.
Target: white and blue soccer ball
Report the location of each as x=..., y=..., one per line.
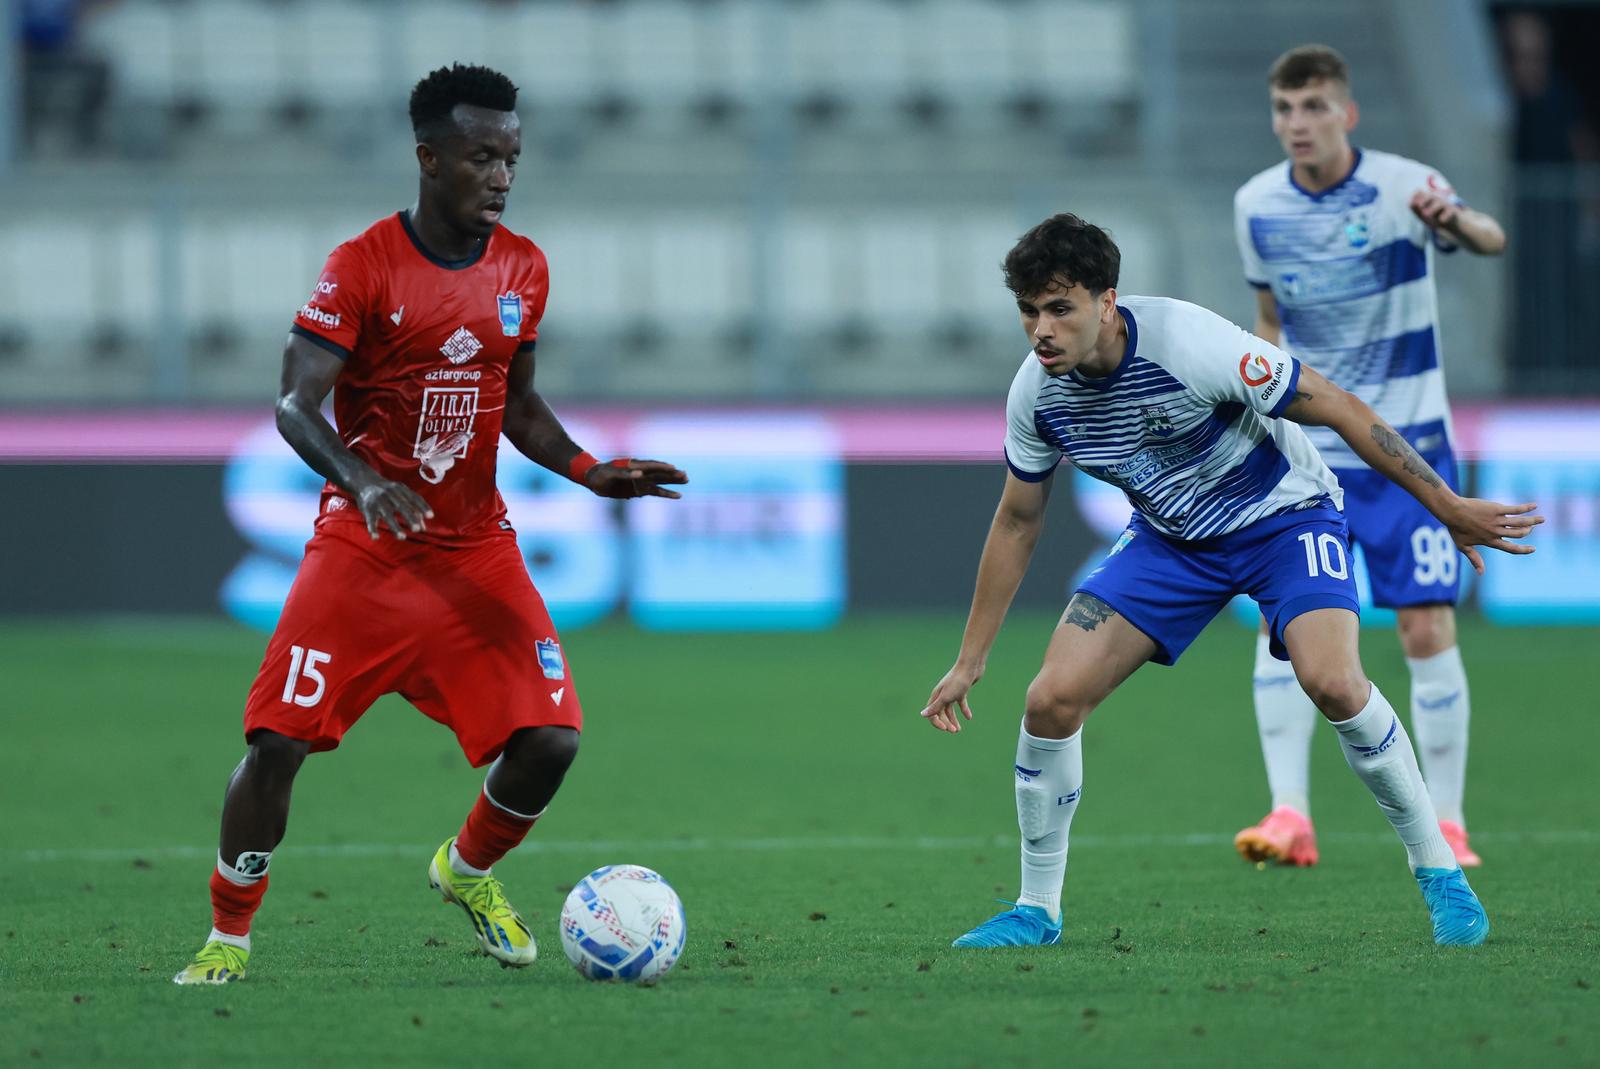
x=623, y=922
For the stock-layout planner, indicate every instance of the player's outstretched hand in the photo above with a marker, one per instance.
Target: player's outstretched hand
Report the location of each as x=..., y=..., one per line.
x=627, y=477
x=1436, y=212
x=948, y=702
x=392, y=505
x=1488, y=523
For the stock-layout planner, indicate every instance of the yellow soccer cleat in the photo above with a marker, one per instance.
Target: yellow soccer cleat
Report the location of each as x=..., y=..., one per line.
x=502, y=933
x=217, y=963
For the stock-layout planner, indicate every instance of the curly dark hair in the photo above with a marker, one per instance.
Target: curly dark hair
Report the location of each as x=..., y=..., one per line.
x=1062, y=249
x=436, y=96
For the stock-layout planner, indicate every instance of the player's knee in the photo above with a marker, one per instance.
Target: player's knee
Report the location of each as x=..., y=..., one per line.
x=544, y=750
x=1053, y=711
x=1339, y=692
x=275, y=755
x=1427, y=630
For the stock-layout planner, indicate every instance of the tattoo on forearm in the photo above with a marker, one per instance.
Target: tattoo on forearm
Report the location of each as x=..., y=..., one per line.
x=1087, y=611
x=1396, y=446
x=1301, y=395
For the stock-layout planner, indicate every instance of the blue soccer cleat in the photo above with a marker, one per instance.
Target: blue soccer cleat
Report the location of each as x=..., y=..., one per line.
x=1458, y=916
x=1020, y=926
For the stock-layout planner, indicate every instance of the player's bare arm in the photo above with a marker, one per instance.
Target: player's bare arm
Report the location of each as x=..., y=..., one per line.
x=1477, y=232
x=1268, y=326
x=533, y=428
x=1472, y=522
x=1012, y=536
x=309, y=372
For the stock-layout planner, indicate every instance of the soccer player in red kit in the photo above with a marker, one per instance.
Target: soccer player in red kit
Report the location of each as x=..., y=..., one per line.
x=424, y=328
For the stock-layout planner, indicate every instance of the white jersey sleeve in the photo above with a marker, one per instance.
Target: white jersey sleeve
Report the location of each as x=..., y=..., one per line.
x=1225, y=363
x=1029, y=456
x=1255, y=271
x=1425, y=178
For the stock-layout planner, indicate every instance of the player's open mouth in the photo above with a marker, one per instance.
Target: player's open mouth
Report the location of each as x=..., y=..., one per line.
x=1046, y=354
x=493, y=210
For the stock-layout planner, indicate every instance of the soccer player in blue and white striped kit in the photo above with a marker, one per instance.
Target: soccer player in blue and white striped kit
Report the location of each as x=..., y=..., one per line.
x=1339, y=244
x=1195, y=421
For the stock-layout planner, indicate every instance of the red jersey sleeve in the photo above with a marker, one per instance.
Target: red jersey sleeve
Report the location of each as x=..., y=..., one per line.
x=333, y=315
x=535, y=293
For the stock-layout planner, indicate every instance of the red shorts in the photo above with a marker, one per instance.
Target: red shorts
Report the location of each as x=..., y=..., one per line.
x=461, y=633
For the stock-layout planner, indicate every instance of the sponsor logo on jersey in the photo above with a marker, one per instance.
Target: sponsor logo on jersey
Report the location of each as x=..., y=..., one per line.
x=313, y=314
x=510, y=305
x=1254, y=369
x=1157, y=422
x=1277, y=380
x=325, y=286
x=444, y=428
x=335, y=504
x=550, y=661
x=396, y=315
x=453, y=374
x=461, y=346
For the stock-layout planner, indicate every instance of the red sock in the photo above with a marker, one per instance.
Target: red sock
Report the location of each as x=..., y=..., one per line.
x=489, y=833
x=232, y=904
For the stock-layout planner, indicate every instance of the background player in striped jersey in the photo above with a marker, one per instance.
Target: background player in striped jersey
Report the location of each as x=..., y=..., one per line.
x=1186, y=413
x=1339, y=244
x=424, y=327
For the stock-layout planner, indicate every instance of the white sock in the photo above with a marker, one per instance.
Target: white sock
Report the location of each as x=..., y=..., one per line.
x=248, y=868
x=1378, y=750
x=1049, y=779
x=460, y=867
x=1285, y=719
x=240, y=941
x=1440, y=710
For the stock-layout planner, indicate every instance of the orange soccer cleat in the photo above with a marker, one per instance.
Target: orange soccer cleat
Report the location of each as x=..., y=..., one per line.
x=1284, y=835
x=1456, y=835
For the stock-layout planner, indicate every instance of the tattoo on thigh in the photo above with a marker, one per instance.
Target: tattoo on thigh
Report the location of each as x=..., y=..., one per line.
x=1087, y=611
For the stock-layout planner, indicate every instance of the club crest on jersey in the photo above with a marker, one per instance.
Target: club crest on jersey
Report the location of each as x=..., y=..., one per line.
x=510, y=314
x=1254, y=369
x=1157, y=422
x=1357, y=231
x=550, y=662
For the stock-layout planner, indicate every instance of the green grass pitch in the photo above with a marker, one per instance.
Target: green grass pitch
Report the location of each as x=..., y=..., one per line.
x=827, y=846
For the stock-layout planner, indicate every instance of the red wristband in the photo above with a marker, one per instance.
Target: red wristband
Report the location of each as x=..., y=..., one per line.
x=580, y=467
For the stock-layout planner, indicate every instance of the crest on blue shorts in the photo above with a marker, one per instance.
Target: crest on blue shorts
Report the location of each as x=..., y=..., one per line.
x=510, y=314
x=550, y=662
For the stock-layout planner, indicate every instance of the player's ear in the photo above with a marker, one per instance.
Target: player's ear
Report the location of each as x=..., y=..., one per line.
x=427, y=159
x=1108, y=305
x=1352, y=114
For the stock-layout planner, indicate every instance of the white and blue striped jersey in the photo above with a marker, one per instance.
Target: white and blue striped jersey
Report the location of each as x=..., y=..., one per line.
x=1352, y=271
x=1186, y=426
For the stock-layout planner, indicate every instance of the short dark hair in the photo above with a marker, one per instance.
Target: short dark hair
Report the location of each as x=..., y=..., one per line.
x=1063, y=249
x=1309, y=63
x=433, y=98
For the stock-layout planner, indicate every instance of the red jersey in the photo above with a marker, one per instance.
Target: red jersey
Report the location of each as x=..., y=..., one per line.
x=426, y=344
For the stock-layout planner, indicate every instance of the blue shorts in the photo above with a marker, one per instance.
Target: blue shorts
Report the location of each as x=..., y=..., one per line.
x=1411, y=559
x=1289, y=564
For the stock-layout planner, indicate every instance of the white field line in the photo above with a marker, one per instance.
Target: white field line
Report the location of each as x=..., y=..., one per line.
x=1582, y=836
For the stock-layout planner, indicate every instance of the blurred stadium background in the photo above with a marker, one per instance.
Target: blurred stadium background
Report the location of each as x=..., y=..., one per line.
x=774, y=229
x=789, y=209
